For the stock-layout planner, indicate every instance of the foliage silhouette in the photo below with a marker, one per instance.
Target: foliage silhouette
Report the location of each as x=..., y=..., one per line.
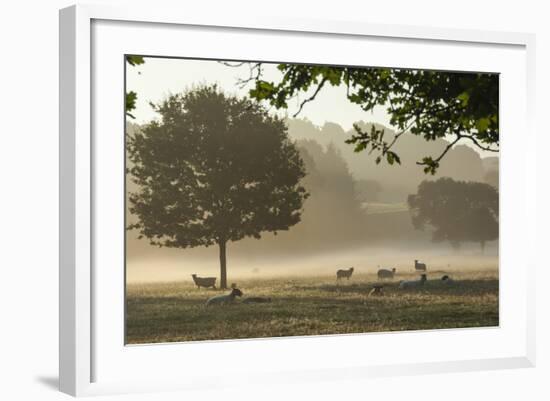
x=131, y=97
x=213, y=169
x=333, y=215
x=430, y=104
x=458, y=211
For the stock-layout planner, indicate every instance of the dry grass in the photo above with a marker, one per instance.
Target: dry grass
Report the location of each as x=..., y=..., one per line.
x=168, y=312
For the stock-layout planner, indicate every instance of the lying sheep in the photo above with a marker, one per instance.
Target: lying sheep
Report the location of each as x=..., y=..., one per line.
x=224, y=299
x=204, y=281
x=385, y=273
x=413, y=283
x=447, y=280
x=256, y=300
x=377, y=290
x=344, y=273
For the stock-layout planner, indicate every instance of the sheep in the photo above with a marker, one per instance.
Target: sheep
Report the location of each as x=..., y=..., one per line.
x=204, y=281
x=413, y=283
x=256, y=300
x=341, y=273
x=419, y=266
x=224, y=299
x=385, y=273
x=377, y=290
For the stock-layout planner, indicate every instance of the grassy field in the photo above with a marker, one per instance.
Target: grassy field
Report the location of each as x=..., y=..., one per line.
x=167, y=312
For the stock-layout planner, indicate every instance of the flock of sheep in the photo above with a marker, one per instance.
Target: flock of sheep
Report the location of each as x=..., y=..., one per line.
x=383, y=274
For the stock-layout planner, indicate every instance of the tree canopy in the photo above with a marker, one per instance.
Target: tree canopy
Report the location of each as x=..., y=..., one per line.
x=457, y=211
x=332, y=188
x=431, y=104
x=215, y=168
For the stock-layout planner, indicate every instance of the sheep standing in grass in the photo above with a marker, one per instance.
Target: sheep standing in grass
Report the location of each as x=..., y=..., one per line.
x=344, y=273
x=419, y=266
x=413, y=283
x=385, y=273
x=224, y=299
x=204, y=281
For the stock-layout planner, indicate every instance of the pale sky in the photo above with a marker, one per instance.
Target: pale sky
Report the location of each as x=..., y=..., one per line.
x=160, y=77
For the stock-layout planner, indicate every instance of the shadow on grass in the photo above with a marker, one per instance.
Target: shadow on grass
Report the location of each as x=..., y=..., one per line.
x=437, y=287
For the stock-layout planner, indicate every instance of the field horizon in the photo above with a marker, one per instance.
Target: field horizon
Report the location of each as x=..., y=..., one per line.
x=178, y=265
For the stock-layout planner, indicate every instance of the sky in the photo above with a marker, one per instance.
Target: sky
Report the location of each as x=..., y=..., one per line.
x=159, y=77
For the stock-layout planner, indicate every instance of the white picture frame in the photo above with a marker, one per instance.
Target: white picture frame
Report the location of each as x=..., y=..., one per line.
x=80, y=340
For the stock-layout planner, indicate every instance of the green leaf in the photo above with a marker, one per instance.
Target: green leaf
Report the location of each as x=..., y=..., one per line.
x=360, y=147
x=263, y=90
x=392, y=157
x=135, y=60
x=464, y=98
x=131, y=98
x=482, y=124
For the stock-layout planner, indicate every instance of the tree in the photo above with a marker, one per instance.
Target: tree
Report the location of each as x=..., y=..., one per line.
x=457, y=211
x=431, y=104
x=332, y=188
x=213, y=169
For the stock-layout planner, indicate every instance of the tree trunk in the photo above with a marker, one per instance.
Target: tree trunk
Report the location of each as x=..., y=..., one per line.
x=482, y=245
x=223, y=265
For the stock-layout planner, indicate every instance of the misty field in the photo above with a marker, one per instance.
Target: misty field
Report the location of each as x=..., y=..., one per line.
x=169, y=312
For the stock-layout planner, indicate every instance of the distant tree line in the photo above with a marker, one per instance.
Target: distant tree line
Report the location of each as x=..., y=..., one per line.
x=456, y=211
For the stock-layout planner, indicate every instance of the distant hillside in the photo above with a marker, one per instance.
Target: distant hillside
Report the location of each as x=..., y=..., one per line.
x=491, y=163
x=397, y=181
x=491, y=166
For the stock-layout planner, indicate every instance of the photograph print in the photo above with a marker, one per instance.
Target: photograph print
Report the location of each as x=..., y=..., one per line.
x=267, y=199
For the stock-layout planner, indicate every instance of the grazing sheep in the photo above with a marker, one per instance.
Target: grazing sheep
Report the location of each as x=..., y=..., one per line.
x=377, y=290
x=447, y=280
x=419, y=266
x=385, y=273
x=256, y=300
x=341, y=273
x=224, y=299
x=413, y=283
x=204, y=281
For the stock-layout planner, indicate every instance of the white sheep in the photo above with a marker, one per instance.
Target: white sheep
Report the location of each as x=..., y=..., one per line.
x=344, y=273
x=386, y=273
x=204, y=281
x=224, y=299
x=413, y=283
